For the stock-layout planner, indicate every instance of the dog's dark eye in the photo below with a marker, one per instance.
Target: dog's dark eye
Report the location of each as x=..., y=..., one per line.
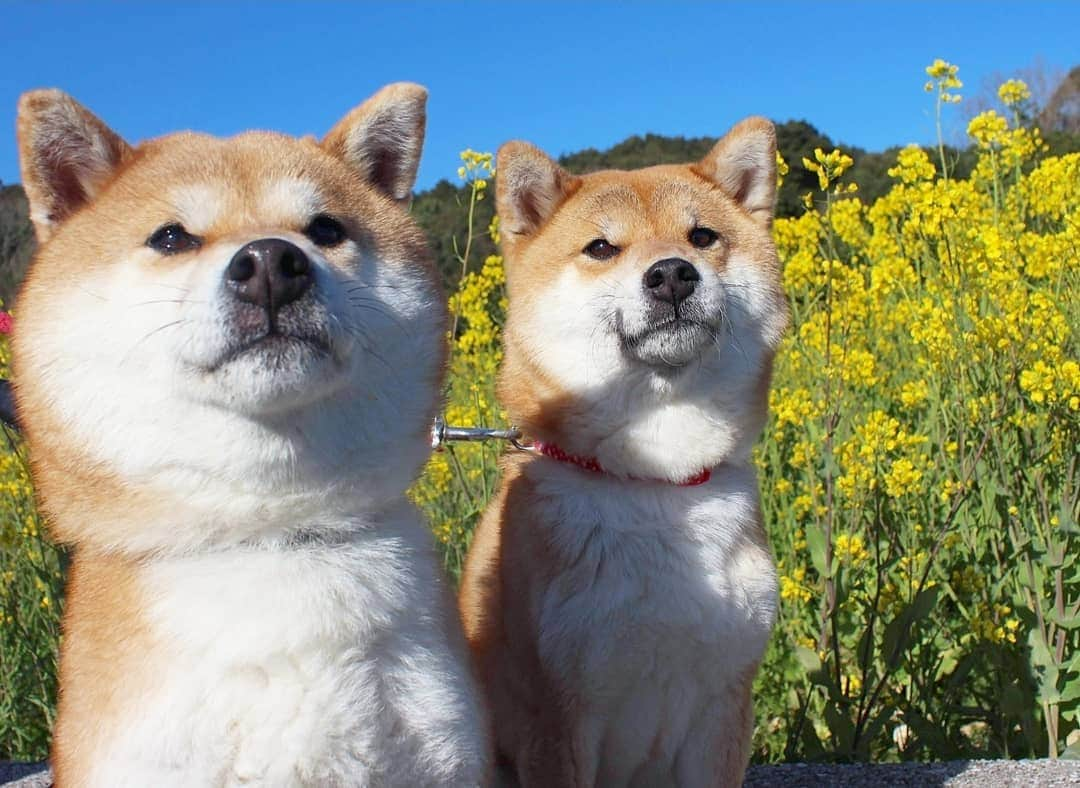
x=703, y=237
x=600, y=249
x=173, y=239
x=325, y=231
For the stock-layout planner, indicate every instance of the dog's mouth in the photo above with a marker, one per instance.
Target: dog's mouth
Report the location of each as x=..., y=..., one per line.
x=275, y=349
x=671, y=342
x=674, y=326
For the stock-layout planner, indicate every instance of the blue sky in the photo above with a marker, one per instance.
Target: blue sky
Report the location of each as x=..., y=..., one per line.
x=563, y=75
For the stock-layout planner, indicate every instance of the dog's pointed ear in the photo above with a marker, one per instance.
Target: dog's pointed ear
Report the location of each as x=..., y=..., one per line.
x=66, y=154
x=743, y=164
x=529, y=186
x=383, y=137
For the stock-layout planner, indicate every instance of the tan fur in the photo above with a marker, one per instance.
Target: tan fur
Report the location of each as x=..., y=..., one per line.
x=548, y=216
x=508, y=552
x=508, y=559
x=534, y=401
x=95, y=201
x=67, y=482
x=108, y=653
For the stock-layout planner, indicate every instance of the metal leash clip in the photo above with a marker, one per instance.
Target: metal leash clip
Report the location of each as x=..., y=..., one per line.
x=441, y=432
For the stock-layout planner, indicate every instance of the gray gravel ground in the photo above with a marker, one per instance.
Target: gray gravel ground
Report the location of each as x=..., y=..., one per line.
x=956, y=774
x=24, y=775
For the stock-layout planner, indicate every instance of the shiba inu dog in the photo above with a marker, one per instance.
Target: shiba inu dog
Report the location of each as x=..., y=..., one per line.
x=228, y=356
x=619, y=591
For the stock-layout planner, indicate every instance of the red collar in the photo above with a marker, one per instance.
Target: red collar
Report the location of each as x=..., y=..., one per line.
x=592, y=464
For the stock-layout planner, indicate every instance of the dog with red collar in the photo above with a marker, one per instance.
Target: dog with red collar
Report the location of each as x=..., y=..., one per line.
x=619, y=591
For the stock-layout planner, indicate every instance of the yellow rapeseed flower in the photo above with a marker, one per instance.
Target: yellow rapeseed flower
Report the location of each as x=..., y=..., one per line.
x=850, y=548
x=781, y=170
x=943, y=79
x=1013, y=92
x=793, y=586
x=988, y=129
x=828, y=166
x=913, y=165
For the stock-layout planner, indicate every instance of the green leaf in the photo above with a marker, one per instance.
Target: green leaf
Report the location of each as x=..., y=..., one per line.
x=924, y=602
x=1071, y=690
x=841, y=585
x=898, y=631
x=815, y=543
x=1048, y=690
x=1065, y=622
x=948, y=664
x=1066, y=522
x=816, y=672
x=1040, y=654
x=841, y=726
x=808, y=658
x=895, y=638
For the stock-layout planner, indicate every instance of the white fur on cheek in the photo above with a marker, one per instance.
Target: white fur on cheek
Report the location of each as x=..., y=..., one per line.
x=755, y=303
x=571, y=330
x=128, y=388
x=647, y=422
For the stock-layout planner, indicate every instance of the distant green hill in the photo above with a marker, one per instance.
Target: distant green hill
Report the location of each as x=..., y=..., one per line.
x=16, y=240
x=442, y=210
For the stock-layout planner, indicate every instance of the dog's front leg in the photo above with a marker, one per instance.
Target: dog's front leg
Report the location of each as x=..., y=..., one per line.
x=717, y=747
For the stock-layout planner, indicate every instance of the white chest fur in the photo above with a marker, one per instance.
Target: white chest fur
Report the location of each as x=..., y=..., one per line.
x=665, y=600
x=309, y=665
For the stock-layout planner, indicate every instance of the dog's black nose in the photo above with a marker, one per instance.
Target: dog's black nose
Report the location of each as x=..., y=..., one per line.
x=671, y=280
x=269, y=273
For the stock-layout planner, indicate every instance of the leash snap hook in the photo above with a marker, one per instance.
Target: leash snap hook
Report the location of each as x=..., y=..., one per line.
x=441, y=433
